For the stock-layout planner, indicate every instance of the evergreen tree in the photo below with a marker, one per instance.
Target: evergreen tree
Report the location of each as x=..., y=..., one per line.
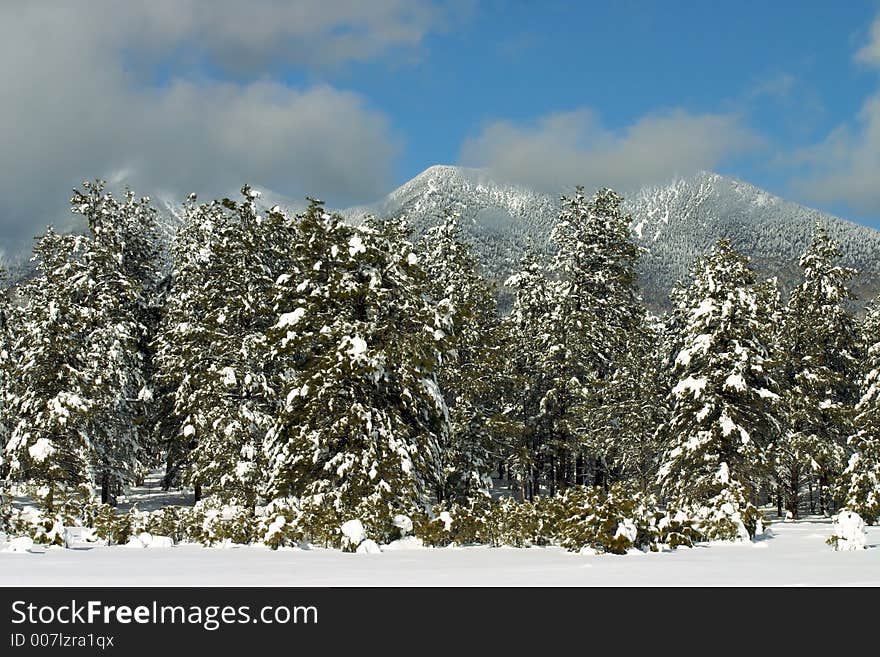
x=469, y=370
x=722, y=416
x=359, y=433
x=529, y=330
x=859, y=486
x=819, y=348
x=5, y=370
x=212, y=373
x=50, y=391
x=623, y=412
x=118, y=282
x=594, y=310
x=78, y=364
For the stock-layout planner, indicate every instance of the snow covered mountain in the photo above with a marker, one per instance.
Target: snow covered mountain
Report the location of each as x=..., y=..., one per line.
x=680, y=221
x=675, y=223
x=500, y=220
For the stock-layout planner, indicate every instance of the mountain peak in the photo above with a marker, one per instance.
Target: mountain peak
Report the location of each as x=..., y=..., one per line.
x=675, y=223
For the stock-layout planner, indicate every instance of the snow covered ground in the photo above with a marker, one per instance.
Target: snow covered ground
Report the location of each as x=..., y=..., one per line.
x=795, y=555
x=150, y=496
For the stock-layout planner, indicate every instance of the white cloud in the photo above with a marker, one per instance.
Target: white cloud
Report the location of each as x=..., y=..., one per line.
x=568, y=148
x=242, y=37
x=869, y=54
x=779, y=87
x=845, y=167
x=189, y=95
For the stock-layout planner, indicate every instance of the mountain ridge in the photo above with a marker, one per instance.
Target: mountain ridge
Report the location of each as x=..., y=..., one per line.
x=674, y=222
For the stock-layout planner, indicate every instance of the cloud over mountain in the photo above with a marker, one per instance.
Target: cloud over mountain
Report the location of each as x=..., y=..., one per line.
x=189, y=95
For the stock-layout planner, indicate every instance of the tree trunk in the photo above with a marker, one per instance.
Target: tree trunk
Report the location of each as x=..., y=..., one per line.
x=793, y=492
x=108, y=492
x=599, y=474
x=778, y=502
x=197, y=492
x=168, y=479
x=812, y=501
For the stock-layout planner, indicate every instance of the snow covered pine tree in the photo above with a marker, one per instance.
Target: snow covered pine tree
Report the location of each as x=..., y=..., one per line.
x=213, y=378
x=590, y=310
x=819, y=351
x=469, y=371
x=118, y=281
x=858, y=488
x=359, y=434
x=529, y=339
x=49, y=402
x=78, y=360
x=722, y=406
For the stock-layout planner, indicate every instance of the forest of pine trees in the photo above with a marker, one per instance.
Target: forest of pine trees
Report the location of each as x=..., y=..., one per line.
x=363, y=373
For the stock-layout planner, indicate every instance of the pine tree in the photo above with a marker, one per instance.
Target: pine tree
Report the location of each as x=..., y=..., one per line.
x=50, y=392
x=78, y=364
x=530, y=333
x=5, y=370
x=212, y=373
x=819, y=347
x=722, y=416
x=594, y=310
x=469, y=371
x=623, y=412
x=859, y=485
x=118, y=281
x=363, y=420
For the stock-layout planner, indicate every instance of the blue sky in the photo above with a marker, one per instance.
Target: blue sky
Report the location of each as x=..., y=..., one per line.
x=788, y=66
x=346, y=99
x=785, y=68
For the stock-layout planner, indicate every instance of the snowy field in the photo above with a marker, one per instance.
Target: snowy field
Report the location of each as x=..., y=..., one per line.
x=794, y=555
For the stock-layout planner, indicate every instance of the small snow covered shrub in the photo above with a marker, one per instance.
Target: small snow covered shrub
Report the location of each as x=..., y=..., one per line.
x=45, y=522
x=676, y=528
x=502, y=522
x=320, y=522
x=848, y=532
x=614, y=521
x=582, y=517
x=727, y=517
x=321, y=518
x=211, y=522
x=353, y=534
x=465, y=524
x=403, y=523
x=433, y=525
x=511, y=523
x=5, y=509
x=483, y=521
x=859, y=487
x=278, y=524
x=42, y=528
x=111, y=527
x=166, y=521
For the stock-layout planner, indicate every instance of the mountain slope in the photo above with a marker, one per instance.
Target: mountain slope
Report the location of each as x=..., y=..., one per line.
x=500, y=220
x=674, y=223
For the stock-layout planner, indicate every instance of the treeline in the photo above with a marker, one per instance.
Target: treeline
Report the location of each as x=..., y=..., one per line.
x=273, y=357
